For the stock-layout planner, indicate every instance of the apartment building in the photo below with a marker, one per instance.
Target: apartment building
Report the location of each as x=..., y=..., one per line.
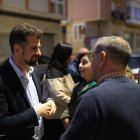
x=90, y=19
x=45, y=14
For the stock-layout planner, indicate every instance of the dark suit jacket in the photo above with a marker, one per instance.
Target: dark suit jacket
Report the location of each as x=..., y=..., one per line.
x=17, y=118
x=110, y=111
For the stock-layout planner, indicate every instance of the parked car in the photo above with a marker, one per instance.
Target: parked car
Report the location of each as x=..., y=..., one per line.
x=43, y=59
x=134, y=64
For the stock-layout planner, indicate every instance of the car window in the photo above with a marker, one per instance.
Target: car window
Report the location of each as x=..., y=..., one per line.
x=134, y=61
x=43, y=59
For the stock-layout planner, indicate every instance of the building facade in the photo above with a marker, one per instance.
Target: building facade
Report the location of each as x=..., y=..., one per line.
x=90, y=19
x=45, y=14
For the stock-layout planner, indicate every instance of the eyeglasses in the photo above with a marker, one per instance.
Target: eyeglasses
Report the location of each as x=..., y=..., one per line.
x=91, y=53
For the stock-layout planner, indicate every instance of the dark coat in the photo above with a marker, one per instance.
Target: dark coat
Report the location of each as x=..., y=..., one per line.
x=73, y=69
x=79, y=89
x=17, y=118
x=110, y=111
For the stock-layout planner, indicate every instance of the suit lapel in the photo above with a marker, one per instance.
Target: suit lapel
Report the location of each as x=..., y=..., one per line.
x=37, y=84
x=15, y=84
x=14, y=81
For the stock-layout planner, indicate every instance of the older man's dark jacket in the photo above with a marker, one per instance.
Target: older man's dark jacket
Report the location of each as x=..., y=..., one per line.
x=110, y=111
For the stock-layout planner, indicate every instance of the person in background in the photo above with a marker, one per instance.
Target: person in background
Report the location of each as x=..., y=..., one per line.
x=21, y=110
x=129, y=73
x=87, y=82
x=73, y=66
x=57, y=68
x=111, y=110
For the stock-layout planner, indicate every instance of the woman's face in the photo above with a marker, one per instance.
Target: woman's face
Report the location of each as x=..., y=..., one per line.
x=85, y=68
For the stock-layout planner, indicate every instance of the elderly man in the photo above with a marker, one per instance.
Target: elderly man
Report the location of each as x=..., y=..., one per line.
x=110, y=111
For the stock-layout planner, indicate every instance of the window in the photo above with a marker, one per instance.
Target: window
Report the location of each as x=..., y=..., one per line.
x=117, y=10
x=5, y=51
x=139, y=14
x=38, y=5
x=130, y=38
x=75, y=32
x=137, y=41
x=133, y=12
x=58, y=7
x=78, y=31
x=14, y=3
x=128, y=11
x=47, y=44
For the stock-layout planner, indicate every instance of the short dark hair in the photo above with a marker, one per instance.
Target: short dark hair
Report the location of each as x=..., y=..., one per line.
x=20, y=32
x=83, y=54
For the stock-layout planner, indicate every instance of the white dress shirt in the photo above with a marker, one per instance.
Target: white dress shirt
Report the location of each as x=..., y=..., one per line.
x=31, y=92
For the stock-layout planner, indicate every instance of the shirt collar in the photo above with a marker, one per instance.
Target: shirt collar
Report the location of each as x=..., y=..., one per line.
x=17, y=70
x=112, y=75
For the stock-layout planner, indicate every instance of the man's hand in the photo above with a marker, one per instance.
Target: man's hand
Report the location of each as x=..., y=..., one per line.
x=51, y=103
x=46, y=110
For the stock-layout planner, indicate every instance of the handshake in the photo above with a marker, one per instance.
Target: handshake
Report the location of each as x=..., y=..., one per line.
x=46, y=110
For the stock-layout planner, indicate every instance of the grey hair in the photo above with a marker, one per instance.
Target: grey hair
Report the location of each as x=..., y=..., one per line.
x=117, y=48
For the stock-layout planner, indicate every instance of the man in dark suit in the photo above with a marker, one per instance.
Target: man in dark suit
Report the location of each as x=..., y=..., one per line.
x=21, y=110
x=110, y=111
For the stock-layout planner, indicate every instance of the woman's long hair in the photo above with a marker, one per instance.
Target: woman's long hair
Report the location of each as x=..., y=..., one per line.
x=61, y=53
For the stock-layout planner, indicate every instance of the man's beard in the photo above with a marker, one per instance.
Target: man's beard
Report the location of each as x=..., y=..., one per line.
x=32, y=62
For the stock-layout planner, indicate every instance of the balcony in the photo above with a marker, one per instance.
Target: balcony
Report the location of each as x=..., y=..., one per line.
x=133, y=12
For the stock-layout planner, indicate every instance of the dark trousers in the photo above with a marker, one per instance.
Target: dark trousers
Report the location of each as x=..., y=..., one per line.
x=53, y=129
